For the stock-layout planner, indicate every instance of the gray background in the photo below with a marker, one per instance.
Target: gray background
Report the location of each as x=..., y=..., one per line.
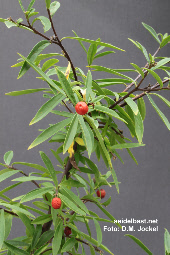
x=144, y=188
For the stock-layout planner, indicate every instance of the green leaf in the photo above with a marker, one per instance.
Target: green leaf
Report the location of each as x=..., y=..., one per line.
x=82, y=45
x=30, y=5
x=50, y=167
x=54, y=7
x=167, y=241
x=86, y=135
x=6, y=175
x=32, y=56
x=115, y=179
x=88, y=238
x=45, y=22
x=165, y=41
x=48, y=3
x=43, y=75
x=36, y=166
x=103, y=54
x=92, y=41
x=162, y=116
x=138, y=69
x=47, y=133
x=139, y=129
x=42, y=219
x=70, y=133
x=109, y=215
x=2, y=229
x=70, y=204
x=10, y=24
x=24, y=92
x=141, y=107
x=69, y=244
x=31, y=178
x=156, y=76
x=70, y=195
x=21, y=5
x=161, y=63
x=45, y=237
x=41, y=205
x=36, y=193
x=17, y=208
x=88, y=85
x=66, y=86
x=41, y=250
x=15, y=250
x=108, y=111
x=152, y=31
x=126, y=145
x=72, y=183
x=49, y=63
x=36, y=236
x=98, y=232
x=62, y=113
x=27, y=222
x=100, y=138
x=140, y=244
x=8, y=157
x=92, y=250
x=47, y=108
x=162, y=98
x=91, y=53
x=57, y=238
x=132, y=105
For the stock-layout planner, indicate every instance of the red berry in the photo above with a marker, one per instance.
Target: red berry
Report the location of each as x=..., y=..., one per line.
x=56, y=203
x=101, y=193
x=81, y=108
x=67, y=231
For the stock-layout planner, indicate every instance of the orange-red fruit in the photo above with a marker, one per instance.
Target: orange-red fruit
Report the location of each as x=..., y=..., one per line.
x=56, y=203
x=81, y=108
x=67, y=231
x=101, y=193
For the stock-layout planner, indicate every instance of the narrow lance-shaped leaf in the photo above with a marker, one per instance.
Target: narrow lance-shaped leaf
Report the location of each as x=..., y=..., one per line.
x=33, y=55
x=82, y=45
x=126, y=145
x=66, y=86
x=70, y=133
x=138, y=69
x=92, y=41
x=162, y=98
x=139, y=129
x=47, y=108
x=98, y=231
x=142, y=107
x=15, y=250
x=103, y=54
x=132, y=105
x=6, y=175
x=91, y=53
x=108, y=111
x=30, y=5
x=15, y=207
x=2, y=229
x=100, y=138
x=47, y=133
x=48, y=3
x=69, y=244
x=140, y=244
x=50, y=167
x=162, y=116
x=161, y=63
x=152, y=31
x=45, y=21
x=24, y=92
x=88, y=86
x=57, y=238
x=43, y=75
x=49, y=63
x=36, y=193
x=167, y=241
x=156, y=76
x=21, y=5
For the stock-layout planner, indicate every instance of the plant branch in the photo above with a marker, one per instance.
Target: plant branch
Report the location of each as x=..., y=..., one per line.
x=130, y=85
x=12, y=213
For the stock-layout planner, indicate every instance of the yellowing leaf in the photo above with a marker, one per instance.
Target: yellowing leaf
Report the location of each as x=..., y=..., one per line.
x=71, y=150
x=67, y=73
x=83, y=92
x=79, y=141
